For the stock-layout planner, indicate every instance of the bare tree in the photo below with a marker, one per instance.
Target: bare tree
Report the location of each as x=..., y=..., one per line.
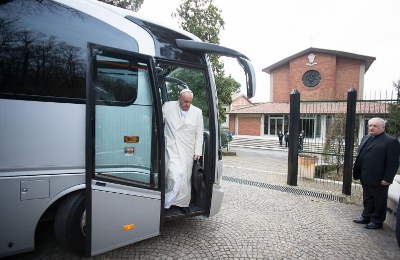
x=334, y=144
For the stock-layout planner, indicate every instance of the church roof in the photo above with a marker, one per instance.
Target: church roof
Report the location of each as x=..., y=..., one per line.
x=239, y=95
x=366, y=59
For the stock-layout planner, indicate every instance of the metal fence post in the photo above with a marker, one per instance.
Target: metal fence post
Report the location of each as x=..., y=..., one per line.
x=293, y=137
x=349, y=141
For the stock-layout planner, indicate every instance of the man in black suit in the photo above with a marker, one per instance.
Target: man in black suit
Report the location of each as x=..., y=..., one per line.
x=376, y=165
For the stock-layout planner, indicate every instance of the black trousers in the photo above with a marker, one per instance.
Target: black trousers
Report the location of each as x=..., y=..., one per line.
x=375, y=203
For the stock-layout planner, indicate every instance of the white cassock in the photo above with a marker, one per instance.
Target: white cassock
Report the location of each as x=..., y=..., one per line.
x=183, y=139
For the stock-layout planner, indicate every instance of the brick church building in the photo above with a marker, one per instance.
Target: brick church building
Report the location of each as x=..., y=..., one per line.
x=318, y=74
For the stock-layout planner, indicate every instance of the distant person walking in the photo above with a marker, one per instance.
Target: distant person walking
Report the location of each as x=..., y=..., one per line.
x=301, y=141
x=280, y=136
x=376, y=165
x=287, y=139
x=303, y=134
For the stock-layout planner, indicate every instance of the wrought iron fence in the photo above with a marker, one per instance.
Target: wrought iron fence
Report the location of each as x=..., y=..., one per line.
x=322, y=132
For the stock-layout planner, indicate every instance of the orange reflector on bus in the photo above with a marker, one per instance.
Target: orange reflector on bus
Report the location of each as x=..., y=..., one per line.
x=128, y=227
x=131, y=139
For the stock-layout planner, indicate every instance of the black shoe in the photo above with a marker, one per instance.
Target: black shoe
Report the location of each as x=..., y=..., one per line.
x=184, y=210
x=373, y=225
x=361, y=221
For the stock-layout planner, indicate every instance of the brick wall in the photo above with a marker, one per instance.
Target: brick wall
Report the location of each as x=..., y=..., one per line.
x=249, y=125
x=347, y=75
x=281, y=88
x=232, y=123
x=240, y=101
x=338, y=75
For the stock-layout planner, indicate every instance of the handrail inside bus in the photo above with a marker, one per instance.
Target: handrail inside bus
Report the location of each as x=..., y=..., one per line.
x=177, y=81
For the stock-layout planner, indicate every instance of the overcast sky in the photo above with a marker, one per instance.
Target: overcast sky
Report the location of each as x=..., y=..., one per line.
x=269, y=31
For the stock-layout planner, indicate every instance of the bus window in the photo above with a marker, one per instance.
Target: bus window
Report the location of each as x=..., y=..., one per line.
x=48, y=63
x=116, y=81
x=123, y=125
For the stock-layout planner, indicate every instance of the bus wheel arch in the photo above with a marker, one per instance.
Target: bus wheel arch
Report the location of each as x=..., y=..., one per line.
x=69, y=222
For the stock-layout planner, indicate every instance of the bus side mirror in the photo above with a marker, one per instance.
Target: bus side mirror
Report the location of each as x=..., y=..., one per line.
x=250, y=76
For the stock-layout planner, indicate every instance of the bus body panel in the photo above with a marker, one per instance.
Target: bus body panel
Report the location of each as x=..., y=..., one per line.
x=134, y=221
x=125, y=12
x=99, y=10
x=217, y=197
x=26, y=212
x=39, y=135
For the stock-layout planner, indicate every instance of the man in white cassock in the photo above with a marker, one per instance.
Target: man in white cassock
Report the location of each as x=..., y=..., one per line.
x=183, y=142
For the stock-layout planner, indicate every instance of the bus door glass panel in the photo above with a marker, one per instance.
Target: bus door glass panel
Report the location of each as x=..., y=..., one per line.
x=125, y=192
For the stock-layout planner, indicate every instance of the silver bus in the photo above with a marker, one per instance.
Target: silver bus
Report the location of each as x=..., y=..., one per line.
x=82, y=85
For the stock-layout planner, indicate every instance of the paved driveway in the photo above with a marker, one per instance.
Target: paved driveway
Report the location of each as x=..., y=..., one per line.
x=255, y=222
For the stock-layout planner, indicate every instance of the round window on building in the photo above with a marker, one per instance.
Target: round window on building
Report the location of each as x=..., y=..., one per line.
x=311, y=78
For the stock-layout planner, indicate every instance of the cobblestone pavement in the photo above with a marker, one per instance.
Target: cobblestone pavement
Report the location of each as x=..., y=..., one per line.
x=272, y=167
x=256, y=222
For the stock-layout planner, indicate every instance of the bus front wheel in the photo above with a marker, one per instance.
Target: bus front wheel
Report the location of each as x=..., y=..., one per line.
x=69, y=222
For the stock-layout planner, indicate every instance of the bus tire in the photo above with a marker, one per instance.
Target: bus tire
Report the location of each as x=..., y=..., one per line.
x=68, y=223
